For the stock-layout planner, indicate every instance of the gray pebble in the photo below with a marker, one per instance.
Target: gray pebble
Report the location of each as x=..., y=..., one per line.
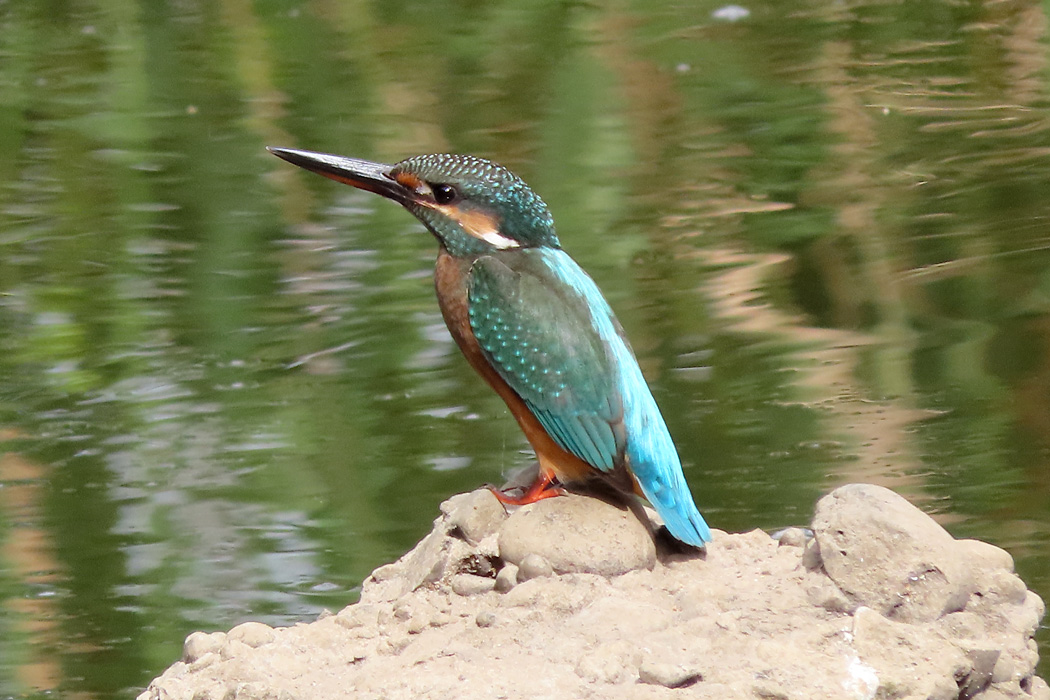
x=667, y=675
x=254, y=634
x=793, y=537
x=507, y=578
x=534, y=566
x=475, y=515
x=467, y=584
x=232, y=649
x=200, y=643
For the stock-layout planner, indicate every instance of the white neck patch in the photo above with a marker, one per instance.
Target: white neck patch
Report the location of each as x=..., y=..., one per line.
x=481, y=225
x=497, y=240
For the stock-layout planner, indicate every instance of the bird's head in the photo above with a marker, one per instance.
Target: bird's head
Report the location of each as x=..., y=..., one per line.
x=472, y=205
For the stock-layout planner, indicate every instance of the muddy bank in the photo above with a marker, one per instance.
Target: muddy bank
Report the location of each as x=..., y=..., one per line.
x=572, y=598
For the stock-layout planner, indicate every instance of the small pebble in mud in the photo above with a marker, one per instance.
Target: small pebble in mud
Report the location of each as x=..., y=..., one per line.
x=507, y=578
x=534, y=566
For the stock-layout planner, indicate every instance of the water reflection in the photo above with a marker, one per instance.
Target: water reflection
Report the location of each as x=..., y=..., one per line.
x=225, y=389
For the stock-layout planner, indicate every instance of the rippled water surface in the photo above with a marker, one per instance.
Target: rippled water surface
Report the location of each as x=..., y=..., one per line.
x=226, y=392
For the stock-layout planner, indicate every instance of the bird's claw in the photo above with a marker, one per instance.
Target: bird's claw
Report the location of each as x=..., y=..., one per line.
x=545, y=486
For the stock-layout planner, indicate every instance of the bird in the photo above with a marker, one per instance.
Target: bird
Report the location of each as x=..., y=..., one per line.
x=535, y=326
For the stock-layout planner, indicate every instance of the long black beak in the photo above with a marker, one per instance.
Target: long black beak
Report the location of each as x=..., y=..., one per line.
x=363, y=174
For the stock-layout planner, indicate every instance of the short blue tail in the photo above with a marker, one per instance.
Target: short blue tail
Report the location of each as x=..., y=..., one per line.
x=653, y=459
x=665, y=488
x=682, y=518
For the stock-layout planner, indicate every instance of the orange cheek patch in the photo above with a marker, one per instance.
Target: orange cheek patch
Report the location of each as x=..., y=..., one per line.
x=409, y=181
x=480, y=224
x=474, y=221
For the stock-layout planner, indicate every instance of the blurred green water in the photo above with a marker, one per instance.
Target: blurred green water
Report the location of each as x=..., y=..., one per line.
x=225, y=389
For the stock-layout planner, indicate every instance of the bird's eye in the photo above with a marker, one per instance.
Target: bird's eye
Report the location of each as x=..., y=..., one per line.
x=443, y=194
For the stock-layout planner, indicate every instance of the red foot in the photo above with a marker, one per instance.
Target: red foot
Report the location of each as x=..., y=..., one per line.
x=543, y=487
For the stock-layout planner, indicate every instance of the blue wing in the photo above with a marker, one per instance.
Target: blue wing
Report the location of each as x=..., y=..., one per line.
x=548, y=331
x=538, y=333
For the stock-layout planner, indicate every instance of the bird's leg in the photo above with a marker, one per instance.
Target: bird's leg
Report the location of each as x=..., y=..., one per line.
x=543, y=487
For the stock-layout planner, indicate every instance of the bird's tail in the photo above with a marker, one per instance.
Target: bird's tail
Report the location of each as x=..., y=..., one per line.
x=666, y=490
x=683, y=520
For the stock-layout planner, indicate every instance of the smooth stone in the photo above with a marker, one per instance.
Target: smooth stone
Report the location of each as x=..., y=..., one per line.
x=475, y=515
x=198, y=644
x=254, y=634
x=792, y=537
x=507, y=578
x=578, y=534
x=667, y=675
x=886, y=554
x=468, y=584
x=534, y=566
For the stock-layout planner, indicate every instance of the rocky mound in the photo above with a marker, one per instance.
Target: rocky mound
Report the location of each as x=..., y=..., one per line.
x=571, y=598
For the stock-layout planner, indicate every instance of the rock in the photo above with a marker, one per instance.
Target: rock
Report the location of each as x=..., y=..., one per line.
x=811, y=556
x=886, y=554
x=1031, y=613
x=985, y=557
x=754, y=617
x=200, y=643
x=426, y=562
x=1038, y=689
x=560, y=594
x=465, y=584
x=507, y=578
x=359, y=615
x=578, y=534
x=997, y=588
x=983, y=663
x=793, y=537
x=892, y=650
x=823, y=592
x=233, y=648
x=534, y=566
x=254, y=634
x=667, y=675
x=442, y=554
x=475, y=515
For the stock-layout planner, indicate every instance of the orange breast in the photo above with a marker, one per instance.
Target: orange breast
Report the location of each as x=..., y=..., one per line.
x=450, y=280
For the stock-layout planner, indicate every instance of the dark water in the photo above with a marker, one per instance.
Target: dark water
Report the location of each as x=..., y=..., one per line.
x=226, y=392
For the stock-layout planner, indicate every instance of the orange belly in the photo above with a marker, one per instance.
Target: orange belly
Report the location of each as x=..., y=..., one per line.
x=450, y=277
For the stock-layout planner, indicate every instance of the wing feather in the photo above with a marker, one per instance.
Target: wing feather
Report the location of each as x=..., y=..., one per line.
x=540, y=335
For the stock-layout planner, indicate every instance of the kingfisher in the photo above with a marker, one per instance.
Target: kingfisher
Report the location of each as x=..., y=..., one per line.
x=536, y=328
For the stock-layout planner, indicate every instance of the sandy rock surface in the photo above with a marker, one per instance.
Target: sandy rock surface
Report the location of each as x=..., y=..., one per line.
x=569, y=598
